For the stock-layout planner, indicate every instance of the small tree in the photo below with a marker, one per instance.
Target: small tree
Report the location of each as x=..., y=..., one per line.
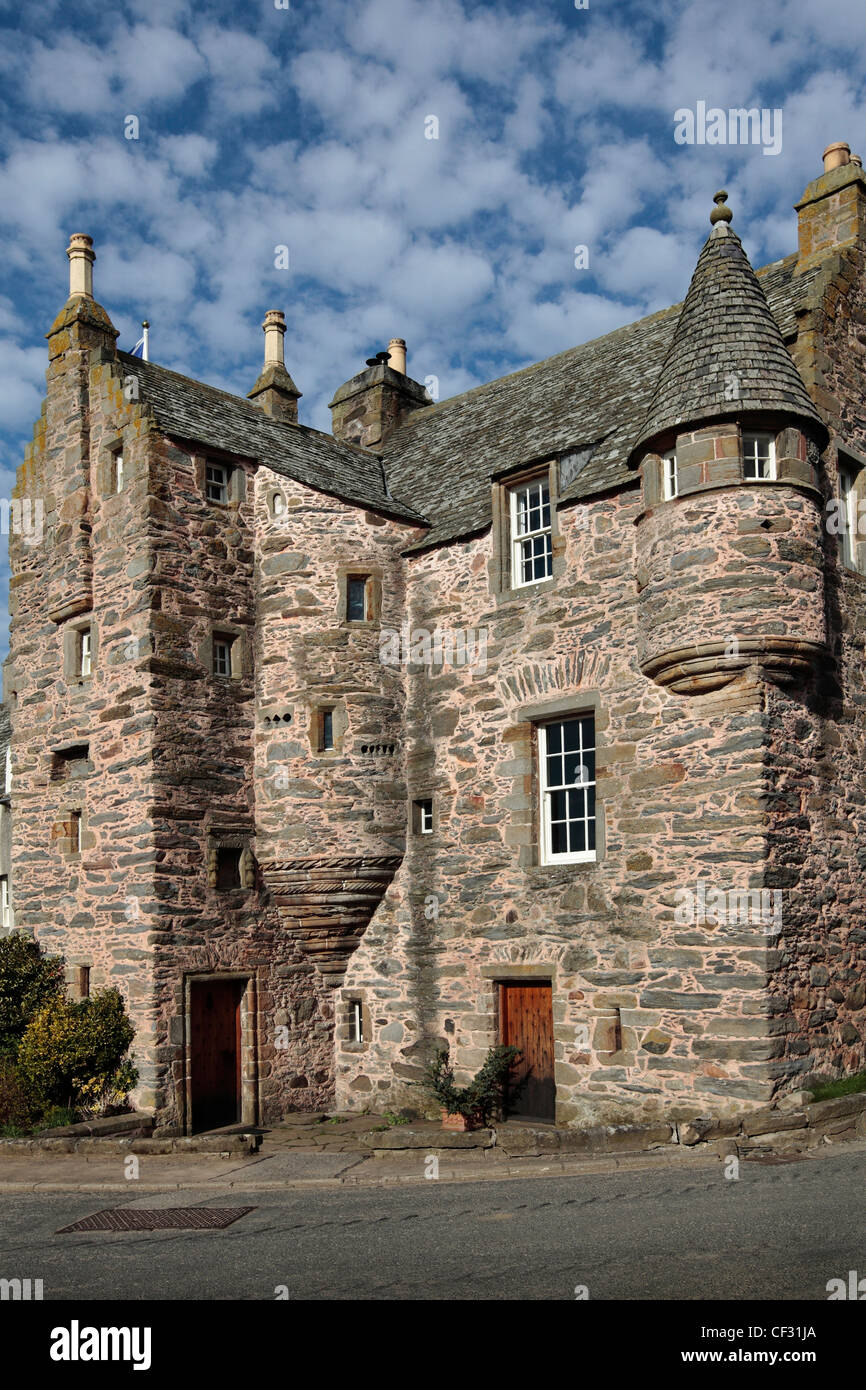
x=28, y=980
x=72, y=1053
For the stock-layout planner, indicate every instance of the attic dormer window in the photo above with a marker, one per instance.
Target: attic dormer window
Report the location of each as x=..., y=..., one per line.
x=759, y=457
x=531, y=533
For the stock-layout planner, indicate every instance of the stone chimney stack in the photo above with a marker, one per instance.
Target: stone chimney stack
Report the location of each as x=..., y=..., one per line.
x=274, y=391
x=832, y=210
x=82, y=324
x=366, y=409
x=81, y=258
x=397, y=359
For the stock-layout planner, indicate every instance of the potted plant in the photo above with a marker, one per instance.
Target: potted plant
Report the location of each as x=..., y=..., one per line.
x=473, y=1106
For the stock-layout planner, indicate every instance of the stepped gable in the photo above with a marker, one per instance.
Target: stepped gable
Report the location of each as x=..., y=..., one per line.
x=728, y=357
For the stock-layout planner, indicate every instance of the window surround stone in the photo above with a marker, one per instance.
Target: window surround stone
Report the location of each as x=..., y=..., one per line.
x=499, y=565
x=71, y=647
x=237, y=482
x=524, y=830
x=373, y=575
x=240, y=653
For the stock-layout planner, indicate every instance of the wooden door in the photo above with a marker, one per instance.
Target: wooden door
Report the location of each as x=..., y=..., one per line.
x=215, y=1053
x=526, y=1018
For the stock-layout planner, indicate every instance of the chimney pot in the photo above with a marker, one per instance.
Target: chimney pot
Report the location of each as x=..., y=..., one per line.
x=836, y=155
x=81, y=258
x=275, y=331
x=397, y=349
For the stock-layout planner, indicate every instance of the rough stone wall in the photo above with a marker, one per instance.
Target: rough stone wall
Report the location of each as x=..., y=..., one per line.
x=816, y=762
x=680, y=782
x=341, y=811
x=94, y=908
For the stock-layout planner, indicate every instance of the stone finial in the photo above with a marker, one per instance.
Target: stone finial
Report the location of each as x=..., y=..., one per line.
x=836, y=155
x=720, y=213
x=81, y=257
x=275, y=331
x=855, y=159
x=397, y=349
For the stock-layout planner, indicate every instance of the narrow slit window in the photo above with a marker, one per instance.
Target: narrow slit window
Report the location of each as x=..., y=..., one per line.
x=356, y=598
x=117, y=472
x=222, y=656
x=848, y=518
x=356, y=1021
x=424, y=816
x=670, y=477
x=531, y=534
x=228, y=868
x=75, y=832
x=326, y=735
x=85, y=652
x=5, y=905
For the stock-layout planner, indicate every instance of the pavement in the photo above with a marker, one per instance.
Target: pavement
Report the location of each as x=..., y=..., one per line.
x=316, y=1151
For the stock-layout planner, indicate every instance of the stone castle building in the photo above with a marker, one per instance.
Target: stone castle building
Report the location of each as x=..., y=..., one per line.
x=537, y=714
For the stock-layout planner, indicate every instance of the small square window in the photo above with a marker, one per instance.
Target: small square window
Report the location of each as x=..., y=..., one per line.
x=356, y=598
x=759, y=457
x=228, y=874
x=222, y=655
x=670, y=477
x=422, y=818
x=217, y=477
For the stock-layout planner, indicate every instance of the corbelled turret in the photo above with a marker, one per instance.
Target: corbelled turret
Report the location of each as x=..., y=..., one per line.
x=731, y=428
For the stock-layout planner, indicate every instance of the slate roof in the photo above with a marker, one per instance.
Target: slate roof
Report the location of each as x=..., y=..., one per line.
x=727, y=357
x=587, y=406
x=598, y=394
x=191, y=410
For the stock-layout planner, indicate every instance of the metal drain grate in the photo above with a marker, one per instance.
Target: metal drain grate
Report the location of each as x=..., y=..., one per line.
x=158, y=1219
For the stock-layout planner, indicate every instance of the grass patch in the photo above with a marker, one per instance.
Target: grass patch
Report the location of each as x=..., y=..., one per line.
x=847, y=1086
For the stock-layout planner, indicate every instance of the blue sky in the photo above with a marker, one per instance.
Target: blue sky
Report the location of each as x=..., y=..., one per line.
x=305, y=127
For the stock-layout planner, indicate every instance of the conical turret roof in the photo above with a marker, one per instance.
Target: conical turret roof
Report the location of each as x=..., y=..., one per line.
x=727, y=357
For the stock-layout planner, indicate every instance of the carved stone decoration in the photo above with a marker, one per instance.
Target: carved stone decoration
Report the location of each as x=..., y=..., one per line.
x=327, y=903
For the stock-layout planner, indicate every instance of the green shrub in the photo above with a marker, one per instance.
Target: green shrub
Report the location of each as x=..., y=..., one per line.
x=485, y=1093
x=72, y=1053
x=28, y=980
x=17, y=1108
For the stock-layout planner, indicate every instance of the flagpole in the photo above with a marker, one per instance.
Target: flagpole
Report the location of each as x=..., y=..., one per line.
x=145, y=350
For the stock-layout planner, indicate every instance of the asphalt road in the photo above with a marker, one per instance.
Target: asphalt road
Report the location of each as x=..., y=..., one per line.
x=777, y=1232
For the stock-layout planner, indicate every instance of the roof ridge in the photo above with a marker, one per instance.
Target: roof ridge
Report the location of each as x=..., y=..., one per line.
x=646, y=319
